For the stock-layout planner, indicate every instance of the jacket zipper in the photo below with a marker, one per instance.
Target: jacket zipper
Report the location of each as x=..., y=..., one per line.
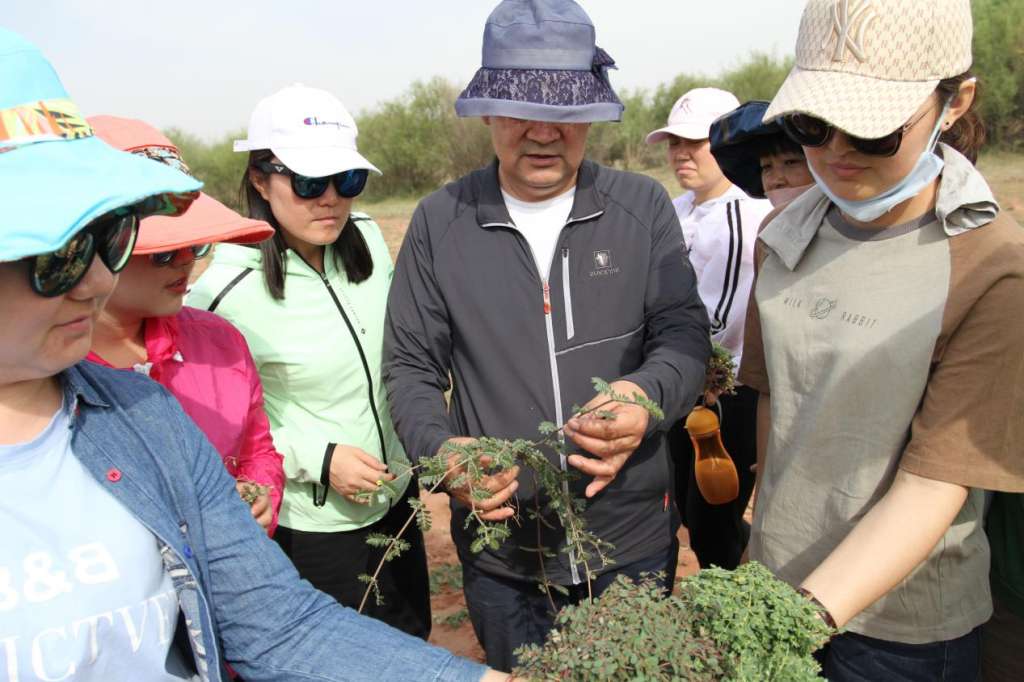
x=559, y=416
x=552, y=356
x=362, y=355
x=366, y=365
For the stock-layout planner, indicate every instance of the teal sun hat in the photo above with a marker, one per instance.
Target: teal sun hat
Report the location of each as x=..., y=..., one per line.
x=55, y=175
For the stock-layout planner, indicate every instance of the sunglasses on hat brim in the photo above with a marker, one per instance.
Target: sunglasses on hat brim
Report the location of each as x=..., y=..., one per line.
x=111, y=237
x=348, y=183
x=167, y=257
x=810, y=131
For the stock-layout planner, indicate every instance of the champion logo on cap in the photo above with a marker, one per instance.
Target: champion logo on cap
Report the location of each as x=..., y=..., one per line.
x=314, y=121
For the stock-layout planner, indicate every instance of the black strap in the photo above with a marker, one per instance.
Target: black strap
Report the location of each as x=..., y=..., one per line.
x=224, y=292
x=320, y=498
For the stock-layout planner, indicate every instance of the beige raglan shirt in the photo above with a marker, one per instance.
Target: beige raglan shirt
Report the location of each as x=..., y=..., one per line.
x=886, y=350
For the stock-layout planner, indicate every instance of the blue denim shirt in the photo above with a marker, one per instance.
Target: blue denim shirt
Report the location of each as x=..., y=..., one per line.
x=242, y=601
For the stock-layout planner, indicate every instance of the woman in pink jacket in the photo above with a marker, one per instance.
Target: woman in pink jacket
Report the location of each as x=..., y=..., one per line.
x=199, y=357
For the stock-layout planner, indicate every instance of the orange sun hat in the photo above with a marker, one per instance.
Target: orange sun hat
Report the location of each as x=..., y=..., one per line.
x=207, y=220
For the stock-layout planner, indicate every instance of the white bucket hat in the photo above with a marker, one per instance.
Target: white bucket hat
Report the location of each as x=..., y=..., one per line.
x=308, y=129
x=693, y=113
x=866, y=66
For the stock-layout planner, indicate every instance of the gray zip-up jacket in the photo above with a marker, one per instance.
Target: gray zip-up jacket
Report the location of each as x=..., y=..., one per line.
x=620, y=302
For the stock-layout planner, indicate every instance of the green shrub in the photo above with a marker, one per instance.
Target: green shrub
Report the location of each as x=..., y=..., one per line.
x=738, y=626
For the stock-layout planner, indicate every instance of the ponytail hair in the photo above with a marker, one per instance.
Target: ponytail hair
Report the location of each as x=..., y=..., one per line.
x=968, y=134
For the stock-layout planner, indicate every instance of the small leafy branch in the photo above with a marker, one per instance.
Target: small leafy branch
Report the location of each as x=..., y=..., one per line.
x=463, y=466
x=252, y=491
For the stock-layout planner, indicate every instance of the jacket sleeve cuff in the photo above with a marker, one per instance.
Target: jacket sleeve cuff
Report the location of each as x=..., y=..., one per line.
x=320, y=491
x=653, y=391
x=433, y=443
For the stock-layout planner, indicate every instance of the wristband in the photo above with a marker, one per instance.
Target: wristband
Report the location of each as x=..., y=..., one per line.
x=823, y=612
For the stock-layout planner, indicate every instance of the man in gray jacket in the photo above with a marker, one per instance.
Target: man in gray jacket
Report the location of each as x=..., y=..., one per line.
x=522, y=281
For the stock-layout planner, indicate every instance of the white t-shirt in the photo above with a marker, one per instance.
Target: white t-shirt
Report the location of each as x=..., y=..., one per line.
x=720, y=236
x=83, y=591
x=541, y=222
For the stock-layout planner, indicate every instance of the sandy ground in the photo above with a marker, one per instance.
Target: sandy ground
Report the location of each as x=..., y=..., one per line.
x=440, y=552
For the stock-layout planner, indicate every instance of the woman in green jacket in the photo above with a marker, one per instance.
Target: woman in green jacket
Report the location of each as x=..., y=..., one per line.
x=311, y=303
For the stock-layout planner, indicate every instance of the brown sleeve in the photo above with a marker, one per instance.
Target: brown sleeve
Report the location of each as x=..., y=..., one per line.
x=753, y=371
x=970, y=426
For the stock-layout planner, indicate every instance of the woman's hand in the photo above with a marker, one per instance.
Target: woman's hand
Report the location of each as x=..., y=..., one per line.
x=261, y=508
x=354, y=471
x=262, y=512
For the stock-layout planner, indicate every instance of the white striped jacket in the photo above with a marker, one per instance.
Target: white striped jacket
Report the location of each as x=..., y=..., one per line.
x=720, y=236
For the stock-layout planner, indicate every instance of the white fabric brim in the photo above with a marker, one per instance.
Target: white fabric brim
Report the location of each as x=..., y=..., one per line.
x=318, y=162
x=687, y=131
x=861, y=106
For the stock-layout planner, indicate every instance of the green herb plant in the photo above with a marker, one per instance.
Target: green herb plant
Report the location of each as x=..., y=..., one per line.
x=488, y=455
x=737, y=626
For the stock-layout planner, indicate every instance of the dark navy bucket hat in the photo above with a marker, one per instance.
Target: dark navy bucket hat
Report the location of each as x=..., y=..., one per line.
x=541, y=63
x=737, y=139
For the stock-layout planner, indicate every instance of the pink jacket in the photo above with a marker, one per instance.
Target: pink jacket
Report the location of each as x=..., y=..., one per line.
x=204, y=361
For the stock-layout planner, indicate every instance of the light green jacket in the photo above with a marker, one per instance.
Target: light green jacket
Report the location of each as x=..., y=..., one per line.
x=316, y=386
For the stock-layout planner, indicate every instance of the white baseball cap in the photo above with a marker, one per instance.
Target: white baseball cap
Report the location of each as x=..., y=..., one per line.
x=693, y=113
x=308, y=129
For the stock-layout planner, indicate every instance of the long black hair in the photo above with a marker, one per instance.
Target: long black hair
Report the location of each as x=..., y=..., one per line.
x=351, y=252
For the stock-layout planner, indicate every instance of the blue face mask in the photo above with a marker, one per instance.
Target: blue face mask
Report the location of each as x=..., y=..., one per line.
x=928, y=167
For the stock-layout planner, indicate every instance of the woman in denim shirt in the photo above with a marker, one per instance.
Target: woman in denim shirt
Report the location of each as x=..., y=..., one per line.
x=128, y=554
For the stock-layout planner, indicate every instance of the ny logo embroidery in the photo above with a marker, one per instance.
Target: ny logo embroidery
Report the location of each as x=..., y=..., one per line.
x=850, y=21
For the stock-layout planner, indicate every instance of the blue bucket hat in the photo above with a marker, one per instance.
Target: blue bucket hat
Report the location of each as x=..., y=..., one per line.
x=540, y=63
x=737, y=139
x=55, y=175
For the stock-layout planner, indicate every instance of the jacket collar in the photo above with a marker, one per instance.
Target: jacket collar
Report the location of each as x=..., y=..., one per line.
x=964, y=202
x=491, y=210
x=78, y=388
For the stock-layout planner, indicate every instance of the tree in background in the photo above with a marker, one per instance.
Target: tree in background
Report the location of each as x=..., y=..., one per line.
x=420, y=144
x=215, y=164
x=999, y=65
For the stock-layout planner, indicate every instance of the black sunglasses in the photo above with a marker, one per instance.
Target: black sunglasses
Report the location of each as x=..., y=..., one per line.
x=111, y=236
x=809, y=131
x=348, y=183
x=167, y=257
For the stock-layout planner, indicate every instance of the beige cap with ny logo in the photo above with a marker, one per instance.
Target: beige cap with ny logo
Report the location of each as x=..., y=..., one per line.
x=866, y=66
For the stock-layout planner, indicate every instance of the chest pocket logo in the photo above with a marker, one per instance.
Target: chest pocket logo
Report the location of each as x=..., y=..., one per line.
x=822, y=308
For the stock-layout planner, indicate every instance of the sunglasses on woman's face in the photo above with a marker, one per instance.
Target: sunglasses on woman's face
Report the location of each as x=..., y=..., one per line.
x=167, y=257
x=111, y=236
x=348, y=183
x=809, y=131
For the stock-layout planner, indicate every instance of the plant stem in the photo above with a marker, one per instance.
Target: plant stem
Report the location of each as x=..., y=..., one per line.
x=394, y=541
x=540, y=548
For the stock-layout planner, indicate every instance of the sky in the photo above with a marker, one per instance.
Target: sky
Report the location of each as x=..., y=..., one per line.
x=202, y=65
